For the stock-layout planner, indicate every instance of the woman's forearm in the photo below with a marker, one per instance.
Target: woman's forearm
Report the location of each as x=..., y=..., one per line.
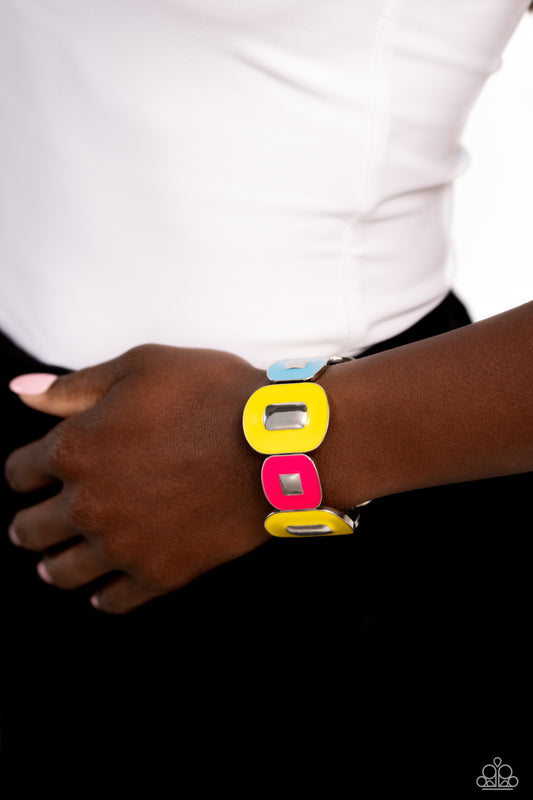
x=452, y=408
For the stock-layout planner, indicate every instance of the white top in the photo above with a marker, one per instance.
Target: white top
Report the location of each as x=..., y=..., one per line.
x=269, y=177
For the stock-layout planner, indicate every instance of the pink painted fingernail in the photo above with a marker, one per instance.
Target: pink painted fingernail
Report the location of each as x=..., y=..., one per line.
x=13, y=536
x=95, y=602
x=43, y=573
x=32, y=383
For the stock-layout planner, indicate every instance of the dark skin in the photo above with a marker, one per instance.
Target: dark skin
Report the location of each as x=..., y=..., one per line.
x=159, y=485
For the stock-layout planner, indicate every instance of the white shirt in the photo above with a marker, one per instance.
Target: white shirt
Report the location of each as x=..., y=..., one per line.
x=269, y=177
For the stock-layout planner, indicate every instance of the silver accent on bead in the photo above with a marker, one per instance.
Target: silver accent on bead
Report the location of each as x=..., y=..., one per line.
x=297, y=363
x=285, y=416
x=309, y=530
x=291, y=484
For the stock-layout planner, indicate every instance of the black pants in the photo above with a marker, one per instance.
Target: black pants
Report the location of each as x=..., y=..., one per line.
x=400, y=650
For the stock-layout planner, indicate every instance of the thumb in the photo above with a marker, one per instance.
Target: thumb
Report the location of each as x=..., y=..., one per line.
x=63, y=396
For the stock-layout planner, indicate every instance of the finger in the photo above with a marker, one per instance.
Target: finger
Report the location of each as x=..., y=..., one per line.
x=69, y=394
x=74, y=567
x=29, y=468
x=121, y=595
x=41, y=526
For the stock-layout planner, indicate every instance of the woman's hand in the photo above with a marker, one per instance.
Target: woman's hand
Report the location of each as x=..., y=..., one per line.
x=159, y=485
x=156, y=484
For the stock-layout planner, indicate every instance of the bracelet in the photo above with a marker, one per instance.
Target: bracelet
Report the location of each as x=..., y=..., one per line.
x=286, y=420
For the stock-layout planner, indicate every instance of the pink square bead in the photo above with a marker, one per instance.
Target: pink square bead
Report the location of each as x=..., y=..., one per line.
x=296, y=469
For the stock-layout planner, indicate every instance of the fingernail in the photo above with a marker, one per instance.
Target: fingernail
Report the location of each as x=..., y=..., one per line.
x=13, y=536
x=33, y=383
x=43, y=573
x=95, y=602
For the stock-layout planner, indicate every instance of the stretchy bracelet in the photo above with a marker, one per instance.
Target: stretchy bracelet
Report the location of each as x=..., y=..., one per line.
x=286, y=420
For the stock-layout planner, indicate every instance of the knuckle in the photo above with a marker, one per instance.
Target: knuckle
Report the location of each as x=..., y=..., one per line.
x=137, y=357
x=81, y=510
x=141, y=350
x=116, y=549
x=68, y=449
x=61, y=448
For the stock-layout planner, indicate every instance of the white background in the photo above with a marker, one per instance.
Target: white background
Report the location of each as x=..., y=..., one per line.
x=493, y=219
